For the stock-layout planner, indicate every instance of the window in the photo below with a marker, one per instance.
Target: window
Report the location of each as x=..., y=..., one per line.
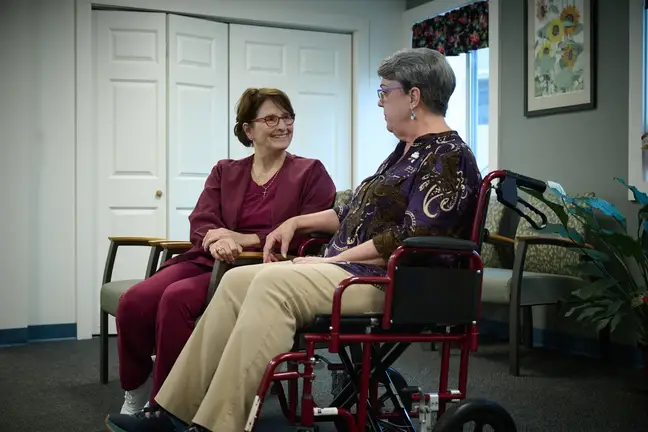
x=644, y=83
x=468, y=107
x=637, y=93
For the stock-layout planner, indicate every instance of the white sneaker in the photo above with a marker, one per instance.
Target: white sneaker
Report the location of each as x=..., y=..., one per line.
x=136, y=400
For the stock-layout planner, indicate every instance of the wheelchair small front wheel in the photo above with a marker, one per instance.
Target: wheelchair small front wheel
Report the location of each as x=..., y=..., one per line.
x=477, y=412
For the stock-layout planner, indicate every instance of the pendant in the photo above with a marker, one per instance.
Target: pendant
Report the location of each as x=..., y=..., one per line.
x=414, y=156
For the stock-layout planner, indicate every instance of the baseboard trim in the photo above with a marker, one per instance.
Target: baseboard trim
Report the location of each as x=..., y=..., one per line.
x=620, y=354
x=37, y=333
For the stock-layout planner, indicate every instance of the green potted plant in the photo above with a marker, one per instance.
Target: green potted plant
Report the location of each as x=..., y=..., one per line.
x=617, y=268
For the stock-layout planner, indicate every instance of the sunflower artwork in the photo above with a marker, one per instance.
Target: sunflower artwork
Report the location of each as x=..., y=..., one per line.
x=559, y=43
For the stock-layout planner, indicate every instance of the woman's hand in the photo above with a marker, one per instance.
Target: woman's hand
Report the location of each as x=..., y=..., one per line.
x=282, y=235
x=213, y=235
x=225, y=249
x=312, y=260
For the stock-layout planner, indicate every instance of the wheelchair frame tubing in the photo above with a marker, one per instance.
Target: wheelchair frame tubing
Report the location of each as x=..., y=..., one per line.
x=365, y=383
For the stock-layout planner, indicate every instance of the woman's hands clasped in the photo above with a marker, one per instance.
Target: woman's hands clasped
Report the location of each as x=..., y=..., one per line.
x=213, y=235
x=225, y=249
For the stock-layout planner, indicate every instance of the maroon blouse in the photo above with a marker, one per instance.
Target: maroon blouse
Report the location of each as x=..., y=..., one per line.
x=255, y=212
x=229, y=201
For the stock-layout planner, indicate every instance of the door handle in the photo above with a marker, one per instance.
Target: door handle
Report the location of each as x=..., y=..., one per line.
x=158, y=193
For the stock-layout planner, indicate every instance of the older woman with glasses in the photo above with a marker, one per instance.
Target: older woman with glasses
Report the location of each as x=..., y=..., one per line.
x=243, y=200
x=427, y=186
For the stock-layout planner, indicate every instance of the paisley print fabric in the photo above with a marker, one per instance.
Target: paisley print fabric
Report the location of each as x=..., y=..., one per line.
x=430, y=190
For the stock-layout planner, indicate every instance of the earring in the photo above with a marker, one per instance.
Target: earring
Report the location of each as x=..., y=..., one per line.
x=413, y=116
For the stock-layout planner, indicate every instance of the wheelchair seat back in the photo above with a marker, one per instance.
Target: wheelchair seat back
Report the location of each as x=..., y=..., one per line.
x=437, y=281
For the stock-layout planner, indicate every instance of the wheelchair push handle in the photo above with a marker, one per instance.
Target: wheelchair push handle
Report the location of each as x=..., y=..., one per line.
x=507, y=194
x=527, y=182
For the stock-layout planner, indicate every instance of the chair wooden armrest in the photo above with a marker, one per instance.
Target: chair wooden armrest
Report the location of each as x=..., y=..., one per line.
x=259, y=255
x=176, y=244
x=133, y=240
x=499, y=239
x=552, y=241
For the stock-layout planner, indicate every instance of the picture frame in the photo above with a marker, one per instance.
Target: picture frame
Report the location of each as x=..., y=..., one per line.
x=560, y=56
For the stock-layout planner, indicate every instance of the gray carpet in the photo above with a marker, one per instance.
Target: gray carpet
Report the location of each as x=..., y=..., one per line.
x=53, y=387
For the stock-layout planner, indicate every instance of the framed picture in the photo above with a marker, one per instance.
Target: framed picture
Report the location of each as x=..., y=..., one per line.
x=560, y=56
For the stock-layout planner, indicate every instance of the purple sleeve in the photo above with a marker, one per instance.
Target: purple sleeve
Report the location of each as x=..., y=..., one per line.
x=341, y=211
x=442, y=192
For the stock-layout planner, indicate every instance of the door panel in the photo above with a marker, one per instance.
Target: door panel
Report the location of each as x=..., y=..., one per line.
x=314, y=69
x=198, y=112
x=130, y=66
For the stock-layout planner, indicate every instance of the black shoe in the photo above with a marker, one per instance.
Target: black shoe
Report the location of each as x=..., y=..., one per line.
x=144, y=421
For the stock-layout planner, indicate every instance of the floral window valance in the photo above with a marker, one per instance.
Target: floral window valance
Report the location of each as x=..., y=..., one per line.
x=456, y=32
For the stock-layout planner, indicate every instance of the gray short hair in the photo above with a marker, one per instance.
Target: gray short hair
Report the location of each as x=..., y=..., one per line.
x=426, y=69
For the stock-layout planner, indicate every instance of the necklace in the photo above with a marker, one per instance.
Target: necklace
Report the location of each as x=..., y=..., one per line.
x=265, y=188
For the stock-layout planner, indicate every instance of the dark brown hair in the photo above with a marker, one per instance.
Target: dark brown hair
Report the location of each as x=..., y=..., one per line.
x=248, y=106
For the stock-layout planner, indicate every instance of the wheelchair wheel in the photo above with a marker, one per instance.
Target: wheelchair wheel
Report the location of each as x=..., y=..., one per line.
x=482, y=415
x=386, y=402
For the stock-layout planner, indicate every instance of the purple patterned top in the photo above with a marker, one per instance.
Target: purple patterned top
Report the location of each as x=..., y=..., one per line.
x=431, y=190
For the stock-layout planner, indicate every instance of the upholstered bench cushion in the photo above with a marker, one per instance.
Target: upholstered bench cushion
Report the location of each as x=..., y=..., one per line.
x=550, y=259
x=537, y=288
x=111, y=292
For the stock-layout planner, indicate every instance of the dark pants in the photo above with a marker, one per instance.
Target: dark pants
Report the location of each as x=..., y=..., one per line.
x=158, y=313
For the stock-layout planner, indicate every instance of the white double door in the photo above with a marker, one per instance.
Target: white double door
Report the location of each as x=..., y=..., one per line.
x=165, y=90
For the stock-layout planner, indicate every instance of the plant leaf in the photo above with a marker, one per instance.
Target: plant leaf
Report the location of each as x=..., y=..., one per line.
x=625, y=244
x=606, y=208
x=558, y=209
x=588, y=312
x=643, y=212
x=603, y=323
x=595, y=289
x=576, y=309
x=562, y=231
x=615, y=321
x=588, y=268
x=639, y=196
x=596, y=255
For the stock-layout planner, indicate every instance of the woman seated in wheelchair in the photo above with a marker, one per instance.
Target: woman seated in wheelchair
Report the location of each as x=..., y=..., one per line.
x=243, y=200
x=427, y=186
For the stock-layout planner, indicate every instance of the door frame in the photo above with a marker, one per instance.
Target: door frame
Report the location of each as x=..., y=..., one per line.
x=220, y=10
x=637, y=70
x=437, y=7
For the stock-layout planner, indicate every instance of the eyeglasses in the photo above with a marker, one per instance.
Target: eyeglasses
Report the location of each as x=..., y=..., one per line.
x=273, y=120
x=385, y=90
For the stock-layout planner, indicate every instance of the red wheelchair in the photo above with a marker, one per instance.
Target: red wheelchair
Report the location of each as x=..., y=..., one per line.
x=422, y=304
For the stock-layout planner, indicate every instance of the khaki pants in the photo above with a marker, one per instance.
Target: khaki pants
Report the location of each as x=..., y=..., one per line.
x=252, y=317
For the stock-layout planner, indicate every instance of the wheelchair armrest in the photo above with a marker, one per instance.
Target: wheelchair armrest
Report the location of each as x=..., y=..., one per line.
x=314, y=239
x=336, y=307
x=320, y=235
x=433, y=242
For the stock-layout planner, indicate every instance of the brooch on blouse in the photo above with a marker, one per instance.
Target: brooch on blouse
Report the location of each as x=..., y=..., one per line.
x=414, y=156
